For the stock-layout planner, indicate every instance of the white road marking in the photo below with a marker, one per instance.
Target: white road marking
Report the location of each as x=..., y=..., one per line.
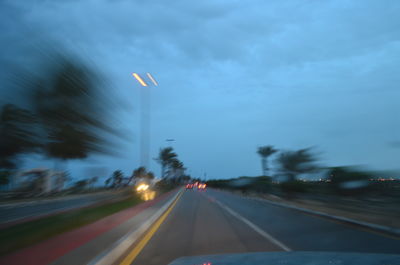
x=253, y=226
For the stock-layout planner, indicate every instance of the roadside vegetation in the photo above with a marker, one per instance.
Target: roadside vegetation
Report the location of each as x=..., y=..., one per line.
x=299, y=179
x=21, y=235
x=29, y=233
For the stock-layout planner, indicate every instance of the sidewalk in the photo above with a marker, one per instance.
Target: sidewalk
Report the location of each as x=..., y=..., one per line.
x=107, y=229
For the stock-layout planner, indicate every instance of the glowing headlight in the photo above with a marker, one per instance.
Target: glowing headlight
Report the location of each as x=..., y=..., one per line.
x=142, y=187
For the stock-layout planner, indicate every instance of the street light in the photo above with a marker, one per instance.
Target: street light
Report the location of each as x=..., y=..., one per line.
x=152, y=79
x=139, y=79
x=145, y=119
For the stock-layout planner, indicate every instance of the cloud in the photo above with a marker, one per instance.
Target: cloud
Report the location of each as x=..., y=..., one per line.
x=394, y=144
x=288, y=73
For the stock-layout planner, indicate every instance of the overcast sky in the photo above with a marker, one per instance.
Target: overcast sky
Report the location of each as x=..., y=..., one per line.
x=234, y=75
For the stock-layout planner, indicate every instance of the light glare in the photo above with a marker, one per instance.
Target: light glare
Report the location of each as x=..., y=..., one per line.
x=152, y=79
x=139, y=79
x=142, y=187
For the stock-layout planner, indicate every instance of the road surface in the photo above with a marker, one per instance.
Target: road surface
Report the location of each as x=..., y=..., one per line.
x=14, y=212
x=215, y=222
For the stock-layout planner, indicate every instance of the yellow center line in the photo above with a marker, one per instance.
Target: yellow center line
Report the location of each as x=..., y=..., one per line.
x=139, y=247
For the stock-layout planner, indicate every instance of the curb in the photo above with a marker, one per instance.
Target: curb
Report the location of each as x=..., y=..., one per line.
x=118, y=248
x=380, y=228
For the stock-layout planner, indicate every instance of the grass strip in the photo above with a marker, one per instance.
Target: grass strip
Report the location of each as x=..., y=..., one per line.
x=26, y=234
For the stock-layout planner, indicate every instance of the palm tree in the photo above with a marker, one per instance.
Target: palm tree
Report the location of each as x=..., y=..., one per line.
x=17, y=134
x=117, y=177
x=68, y=103
x=165, y=157
x=140, y=172
x=92, y=181
x=108, y=181
x=176, y=169
x=150, y=175
x=298, y=162
x=176, y=163
x=265, y=152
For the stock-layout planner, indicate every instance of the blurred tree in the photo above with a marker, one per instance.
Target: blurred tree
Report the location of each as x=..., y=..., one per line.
x=93, y=181
x=298, y=162
x=139, y=172
x=150, y=175
x=18, y=134
x=186, y=178
x=176, y=163
x=265, y=152
x=165, y=157
x=81, y=184
x=68, y=143
x=117, y=177
x=108, y=181
x=66, y=100
x=4, y=177
x=349, y=181
x=176, y=170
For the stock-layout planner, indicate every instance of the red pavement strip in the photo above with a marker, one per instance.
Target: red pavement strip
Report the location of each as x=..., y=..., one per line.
x=51, y=249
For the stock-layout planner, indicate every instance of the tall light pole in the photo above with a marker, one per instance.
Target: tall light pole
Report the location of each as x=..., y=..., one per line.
x=145, y=118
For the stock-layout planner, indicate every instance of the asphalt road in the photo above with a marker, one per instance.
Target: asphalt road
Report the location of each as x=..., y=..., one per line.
x=215, y=222
x=13, y=212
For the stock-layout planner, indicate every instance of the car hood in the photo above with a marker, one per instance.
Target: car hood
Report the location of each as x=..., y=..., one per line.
x=292, y=258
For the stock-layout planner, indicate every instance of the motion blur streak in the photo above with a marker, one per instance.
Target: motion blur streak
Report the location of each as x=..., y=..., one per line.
x=139, y=79
x=152, y=79
x=142, y=187
x=148, y=195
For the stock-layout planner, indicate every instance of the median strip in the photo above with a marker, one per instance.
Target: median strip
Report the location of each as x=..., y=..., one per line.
x=119, y=248
x=139, y=247
x=29, y=233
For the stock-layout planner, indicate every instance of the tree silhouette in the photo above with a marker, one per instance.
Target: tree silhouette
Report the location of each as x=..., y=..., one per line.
x=165, y=157
x=117, y=177
x=298, y=162
x=150, y=175
x=66, y=99
x=18, y=134
x=265, y=152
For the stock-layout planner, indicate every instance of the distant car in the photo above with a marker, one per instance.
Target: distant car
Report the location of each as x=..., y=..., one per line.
x=201, y=186
x=189, y=186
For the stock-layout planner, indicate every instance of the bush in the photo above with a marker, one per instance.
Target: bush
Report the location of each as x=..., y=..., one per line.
x=243, y=184
x=164, y=186
x=257, y=184
x=294, y=186
x=349, y=182
x=5, y=177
